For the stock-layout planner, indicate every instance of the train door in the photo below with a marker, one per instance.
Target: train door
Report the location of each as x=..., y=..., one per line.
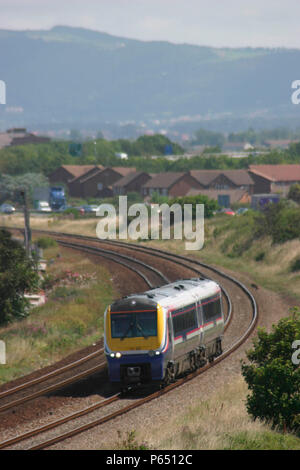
x=200, y=322
x=170, y=335
x=192, y=335
x=212, y=314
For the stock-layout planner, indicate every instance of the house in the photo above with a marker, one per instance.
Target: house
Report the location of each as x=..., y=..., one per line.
x=274, y=178
x=224, y=197
x=98, y=182
x=75, y=184
x=132, y=182
x=20, y=136
x=122, y=156
x=170, y=184
x=224, y=179
x=236, y=146
x=66, y=173
x=282, y=144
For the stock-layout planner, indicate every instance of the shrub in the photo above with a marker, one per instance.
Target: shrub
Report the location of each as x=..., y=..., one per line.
x=46, y=242
x=280, y=221
x=272, y=376
x=64, y=293
x=17, y=276
x=260, y=256
x=294, y=193
x=210, y=205
x=295, y=266
x=130, y=442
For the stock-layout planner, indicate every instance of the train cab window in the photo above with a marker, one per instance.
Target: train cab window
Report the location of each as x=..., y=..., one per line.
x=211, y=308
x=134, y=325
x=184, y=319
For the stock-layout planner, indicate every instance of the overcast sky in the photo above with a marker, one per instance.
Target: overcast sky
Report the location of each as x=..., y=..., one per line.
x=232, y=23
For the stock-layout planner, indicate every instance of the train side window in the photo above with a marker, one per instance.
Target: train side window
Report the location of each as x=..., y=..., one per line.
x=211, y=309
x=184, y=319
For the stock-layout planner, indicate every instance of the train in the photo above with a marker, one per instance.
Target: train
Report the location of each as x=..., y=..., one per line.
x=158, y=335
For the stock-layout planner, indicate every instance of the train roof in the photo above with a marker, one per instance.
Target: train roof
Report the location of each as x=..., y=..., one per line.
x=178, y=291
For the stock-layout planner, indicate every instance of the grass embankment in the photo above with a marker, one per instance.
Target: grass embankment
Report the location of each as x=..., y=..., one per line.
x=58, y=223
x=220, y=422
x=229, y=242
x=78, y=292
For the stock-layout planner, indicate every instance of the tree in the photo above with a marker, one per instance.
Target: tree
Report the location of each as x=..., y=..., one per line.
x=294, y=193
x=10, y=186
x=273, y=376
x=17, y=275
x=210, y=138
x=210, y=205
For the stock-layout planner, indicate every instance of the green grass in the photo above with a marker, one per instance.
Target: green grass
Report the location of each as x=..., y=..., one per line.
x=71, y=319
x=265, y=440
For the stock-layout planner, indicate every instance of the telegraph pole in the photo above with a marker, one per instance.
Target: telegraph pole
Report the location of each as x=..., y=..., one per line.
x=27, y=233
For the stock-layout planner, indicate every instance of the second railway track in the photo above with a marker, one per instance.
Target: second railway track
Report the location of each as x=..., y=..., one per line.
x=116, y=254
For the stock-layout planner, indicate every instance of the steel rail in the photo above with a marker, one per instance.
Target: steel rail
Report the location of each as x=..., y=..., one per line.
x=102, y=253
x=180, y=381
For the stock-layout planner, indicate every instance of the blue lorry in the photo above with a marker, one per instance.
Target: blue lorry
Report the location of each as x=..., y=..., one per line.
x=54, y=195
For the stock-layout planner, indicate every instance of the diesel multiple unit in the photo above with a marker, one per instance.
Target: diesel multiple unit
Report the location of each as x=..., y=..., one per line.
x=159, y=334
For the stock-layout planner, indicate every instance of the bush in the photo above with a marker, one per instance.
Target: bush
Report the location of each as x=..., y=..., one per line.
x=210, y=205
x=17, y=276
x=130, y=442
x=64, y=293
x=294, y=193
x=279, y=221
x=46, y=242
x=295, y=266
x=260, y=256
x=273, y=377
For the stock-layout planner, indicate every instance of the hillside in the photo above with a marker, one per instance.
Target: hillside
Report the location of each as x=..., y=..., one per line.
x=76, y=76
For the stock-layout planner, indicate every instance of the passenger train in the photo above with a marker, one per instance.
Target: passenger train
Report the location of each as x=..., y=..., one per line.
x=155, y=336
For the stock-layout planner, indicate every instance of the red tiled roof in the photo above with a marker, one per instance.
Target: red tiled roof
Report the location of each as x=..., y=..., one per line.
x=206, y=177
x=164, y=180
x=5, y=139
x=78, y=170
x=277, y=172
x=128, y=178
x=123, y=170
x=20, y=137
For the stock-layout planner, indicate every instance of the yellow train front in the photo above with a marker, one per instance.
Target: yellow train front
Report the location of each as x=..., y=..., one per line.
x=135, y=333
x=159, y=334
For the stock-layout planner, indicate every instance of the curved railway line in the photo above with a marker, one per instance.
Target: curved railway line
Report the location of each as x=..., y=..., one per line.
x=152, y=276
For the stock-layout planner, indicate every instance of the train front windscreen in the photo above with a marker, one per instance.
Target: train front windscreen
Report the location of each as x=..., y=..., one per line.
x=138, y=324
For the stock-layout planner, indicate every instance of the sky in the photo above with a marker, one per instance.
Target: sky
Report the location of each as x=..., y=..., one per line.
x=218, y=23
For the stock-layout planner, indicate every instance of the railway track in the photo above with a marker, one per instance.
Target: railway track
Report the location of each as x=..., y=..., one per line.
x=114, y=255
x=7, y=397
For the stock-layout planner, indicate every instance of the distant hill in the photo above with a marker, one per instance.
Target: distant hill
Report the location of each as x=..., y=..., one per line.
x=77, y=76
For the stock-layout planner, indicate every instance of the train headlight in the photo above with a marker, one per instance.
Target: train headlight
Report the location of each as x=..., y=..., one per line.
x=112, y=354
x=118, y=355
x=157, y=353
